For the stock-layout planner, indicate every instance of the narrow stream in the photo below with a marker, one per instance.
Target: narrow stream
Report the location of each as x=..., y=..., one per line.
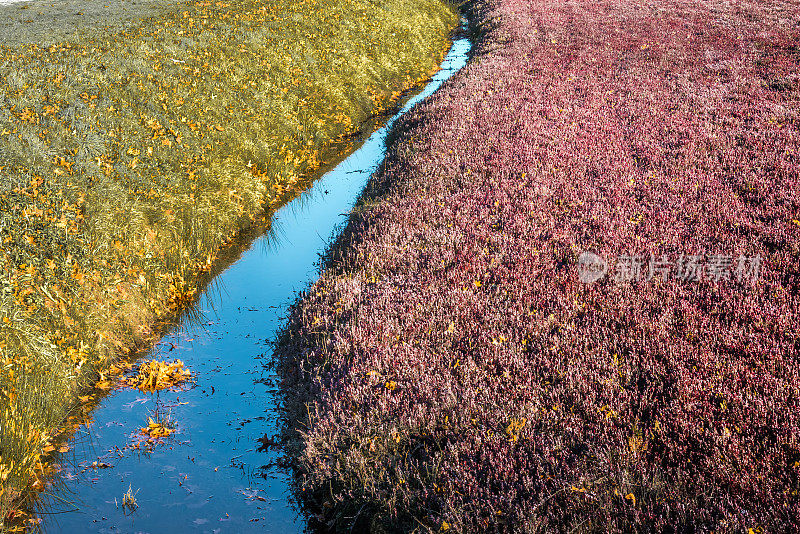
x=213, y=475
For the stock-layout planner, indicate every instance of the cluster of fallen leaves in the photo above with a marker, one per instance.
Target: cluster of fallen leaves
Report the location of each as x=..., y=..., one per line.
x=156, y=375
x=156, y=429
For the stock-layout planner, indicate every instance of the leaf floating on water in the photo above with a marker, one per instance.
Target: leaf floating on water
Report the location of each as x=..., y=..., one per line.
x=156, y=429
x=155, y=375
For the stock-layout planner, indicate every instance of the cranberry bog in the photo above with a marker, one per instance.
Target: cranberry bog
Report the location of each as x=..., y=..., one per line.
x=568, y=301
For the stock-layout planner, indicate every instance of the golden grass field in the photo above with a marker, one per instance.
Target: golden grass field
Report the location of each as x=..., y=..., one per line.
x=132, y=152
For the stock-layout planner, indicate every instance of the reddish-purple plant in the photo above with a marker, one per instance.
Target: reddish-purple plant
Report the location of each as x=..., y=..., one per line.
x=451, y=370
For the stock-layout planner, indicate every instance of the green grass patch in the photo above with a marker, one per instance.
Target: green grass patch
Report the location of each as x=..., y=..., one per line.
x=132, y=153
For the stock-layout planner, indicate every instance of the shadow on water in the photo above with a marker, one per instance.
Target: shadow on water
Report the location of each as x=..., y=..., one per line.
x=217, y=472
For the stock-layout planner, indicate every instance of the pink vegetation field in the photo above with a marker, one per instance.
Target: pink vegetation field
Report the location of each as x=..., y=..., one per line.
x=457, y=372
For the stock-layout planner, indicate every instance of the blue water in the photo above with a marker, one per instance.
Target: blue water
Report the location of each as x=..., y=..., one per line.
x=210, y=476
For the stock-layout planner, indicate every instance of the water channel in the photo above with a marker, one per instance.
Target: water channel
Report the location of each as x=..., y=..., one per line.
x=213, y=474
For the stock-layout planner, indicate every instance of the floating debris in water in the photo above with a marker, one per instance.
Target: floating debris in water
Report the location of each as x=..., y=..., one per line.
x=156, y=375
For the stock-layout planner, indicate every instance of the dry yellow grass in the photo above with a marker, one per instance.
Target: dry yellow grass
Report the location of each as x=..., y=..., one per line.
x=132, y=153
